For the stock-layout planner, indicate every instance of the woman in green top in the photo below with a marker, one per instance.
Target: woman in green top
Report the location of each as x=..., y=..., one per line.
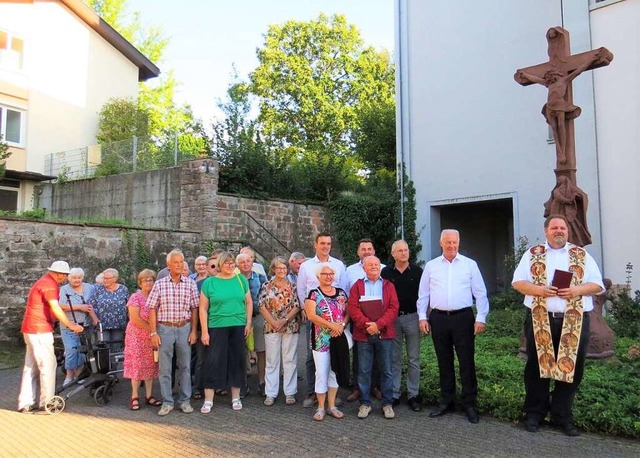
x=225, y=313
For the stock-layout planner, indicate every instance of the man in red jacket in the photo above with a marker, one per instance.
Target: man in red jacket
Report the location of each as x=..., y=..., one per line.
x=373, y=308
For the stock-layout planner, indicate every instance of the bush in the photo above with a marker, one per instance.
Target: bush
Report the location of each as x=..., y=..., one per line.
x=506, y=322
x=509, y=298
x=625, y=310
x=608, y=400
x=365, y=214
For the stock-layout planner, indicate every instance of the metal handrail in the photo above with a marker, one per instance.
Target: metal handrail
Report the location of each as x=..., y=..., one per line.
x=266, y=230
x=260, y=234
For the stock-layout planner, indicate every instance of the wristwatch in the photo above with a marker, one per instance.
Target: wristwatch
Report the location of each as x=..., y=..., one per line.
x=343, y=324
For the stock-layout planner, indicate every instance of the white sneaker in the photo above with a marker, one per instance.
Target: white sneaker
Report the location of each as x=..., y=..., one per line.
x=186, y=407
x=389, y=414
x=165, y=409
x=363, y=411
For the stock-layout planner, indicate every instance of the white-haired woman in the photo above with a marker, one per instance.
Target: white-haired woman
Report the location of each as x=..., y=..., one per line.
x=326, y=308
x=75, y=295
x=278, y=301
x=200, y=267
x=110, y=304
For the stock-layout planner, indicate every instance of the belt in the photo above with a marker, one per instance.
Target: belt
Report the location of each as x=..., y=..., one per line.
x=552, y=315
x=174, y=324
x=405, y=313
x=451, y=312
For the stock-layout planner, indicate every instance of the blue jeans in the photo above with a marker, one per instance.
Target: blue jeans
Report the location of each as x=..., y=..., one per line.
x=381, y=350
x=73, y=359
x=174, y=338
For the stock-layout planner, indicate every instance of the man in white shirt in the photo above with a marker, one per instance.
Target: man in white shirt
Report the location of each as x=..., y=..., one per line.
x=448, y=285
x=307, y=281
x=555, y=254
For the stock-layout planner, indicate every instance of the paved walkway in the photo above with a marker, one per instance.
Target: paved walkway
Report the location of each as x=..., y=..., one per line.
x=84, y=429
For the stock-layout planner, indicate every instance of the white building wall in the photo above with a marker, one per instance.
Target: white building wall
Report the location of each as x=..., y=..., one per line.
x=70, y=72
x=474, y=133
x=616, y=25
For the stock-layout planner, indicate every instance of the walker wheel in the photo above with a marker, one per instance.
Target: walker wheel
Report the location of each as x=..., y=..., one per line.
x=55, y=405
x=103, y=395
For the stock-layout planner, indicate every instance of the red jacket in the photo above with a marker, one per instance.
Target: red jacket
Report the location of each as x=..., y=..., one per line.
x=386, y=323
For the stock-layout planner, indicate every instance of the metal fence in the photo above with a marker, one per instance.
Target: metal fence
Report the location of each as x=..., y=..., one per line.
x=135, y=154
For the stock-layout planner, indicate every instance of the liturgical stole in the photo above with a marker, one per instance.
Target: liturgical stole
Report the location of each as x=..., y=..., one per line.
x=561, y=368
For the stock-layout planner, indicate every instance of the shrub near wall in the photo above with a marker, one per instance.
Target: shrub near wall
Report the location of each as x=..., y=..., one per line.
x=608, y=400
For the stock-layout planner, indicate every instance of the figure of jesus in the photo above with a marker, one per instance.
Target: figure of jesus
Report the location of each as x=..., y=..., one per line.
x=559, y=109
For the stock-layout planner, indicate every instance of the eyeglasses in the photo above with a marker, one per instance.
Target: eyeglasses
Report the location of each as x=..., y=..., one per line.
x=229, y=263
x=280, y=268
x=327, y=274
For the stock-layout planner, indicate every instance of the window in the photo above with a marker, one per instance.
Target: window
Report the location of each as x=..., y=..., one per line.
x=9, y=194
x=11, y=123
x=11, y=51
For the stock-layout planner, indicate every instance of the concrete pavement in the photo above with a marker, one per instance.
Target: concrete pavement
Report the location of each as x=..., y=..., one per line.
x=84, y=429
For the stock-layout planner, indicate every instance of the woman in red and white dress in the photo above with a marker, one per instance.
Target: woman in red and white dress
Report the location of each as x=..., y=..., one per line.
x=139, y=363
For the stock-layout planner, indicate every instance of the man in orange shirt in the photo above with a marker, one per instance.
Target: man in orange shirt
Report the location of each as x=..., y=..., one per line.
x=37, y=329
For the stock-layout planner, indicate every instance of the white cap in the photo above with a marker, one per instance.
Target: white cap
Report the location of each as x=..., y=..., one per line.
x=60, y=267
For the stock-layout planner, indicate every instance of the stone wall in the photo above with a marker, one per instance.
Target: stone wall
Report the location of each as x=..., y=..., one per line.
x=27, y=248
x=187, y=198
x=178, y=197
x=293, y=224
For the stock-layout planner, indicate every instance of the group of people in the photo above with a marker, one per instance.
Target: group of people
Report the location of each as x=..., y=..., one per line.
x=196, y=332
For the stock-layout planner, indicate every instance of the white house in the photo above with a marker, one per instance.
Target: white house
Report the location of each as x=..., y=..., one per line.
x=476, y=145
x=59, y=64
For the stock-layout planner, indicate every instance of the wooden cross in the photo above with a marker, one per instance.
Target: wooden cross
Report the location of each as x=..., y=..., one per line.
x=557, y=75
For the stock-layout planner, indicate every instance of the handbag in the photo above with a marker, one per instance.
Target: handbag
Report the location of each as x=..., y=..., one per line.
x=250, y=341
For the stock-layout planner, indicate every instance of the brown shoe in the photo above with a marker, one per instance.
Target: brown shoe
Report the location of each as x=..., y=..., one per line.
x=354, y=395
x=377, y=393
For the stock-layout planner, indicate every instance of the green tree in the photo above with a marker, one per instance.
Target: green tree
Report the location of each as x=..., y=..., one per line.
x=121, y=119
x=375, y=136
x=243, y=156
x=4, y=155
x=155, y=113
x=156, y=98
x=311, y=79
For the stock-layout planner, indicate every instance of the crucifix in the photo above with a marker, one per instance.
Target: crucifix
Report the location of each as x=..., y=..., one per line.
x=557, y=75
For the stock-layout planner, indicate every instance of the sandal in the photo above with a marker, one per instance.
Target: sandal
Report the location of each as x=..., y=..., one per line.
x=236, y=404
x=335, y=413
x=197, y=395
x=134, y=404
x=319, y=415
x=206, y=407
x=151, y=401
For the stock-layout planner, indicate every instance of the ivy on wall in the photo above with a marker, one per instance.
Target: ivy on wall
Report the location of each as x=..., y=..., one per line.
x=375, y=213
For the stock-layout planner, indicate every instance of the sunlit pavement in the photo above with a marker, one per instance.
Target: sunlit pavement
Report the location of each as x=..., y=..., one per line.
x=85, y=429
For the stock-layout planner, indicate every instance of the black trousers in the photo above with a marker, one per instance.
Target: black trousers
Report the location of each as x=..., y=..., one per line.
x=449, y=333
x=539, y=400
